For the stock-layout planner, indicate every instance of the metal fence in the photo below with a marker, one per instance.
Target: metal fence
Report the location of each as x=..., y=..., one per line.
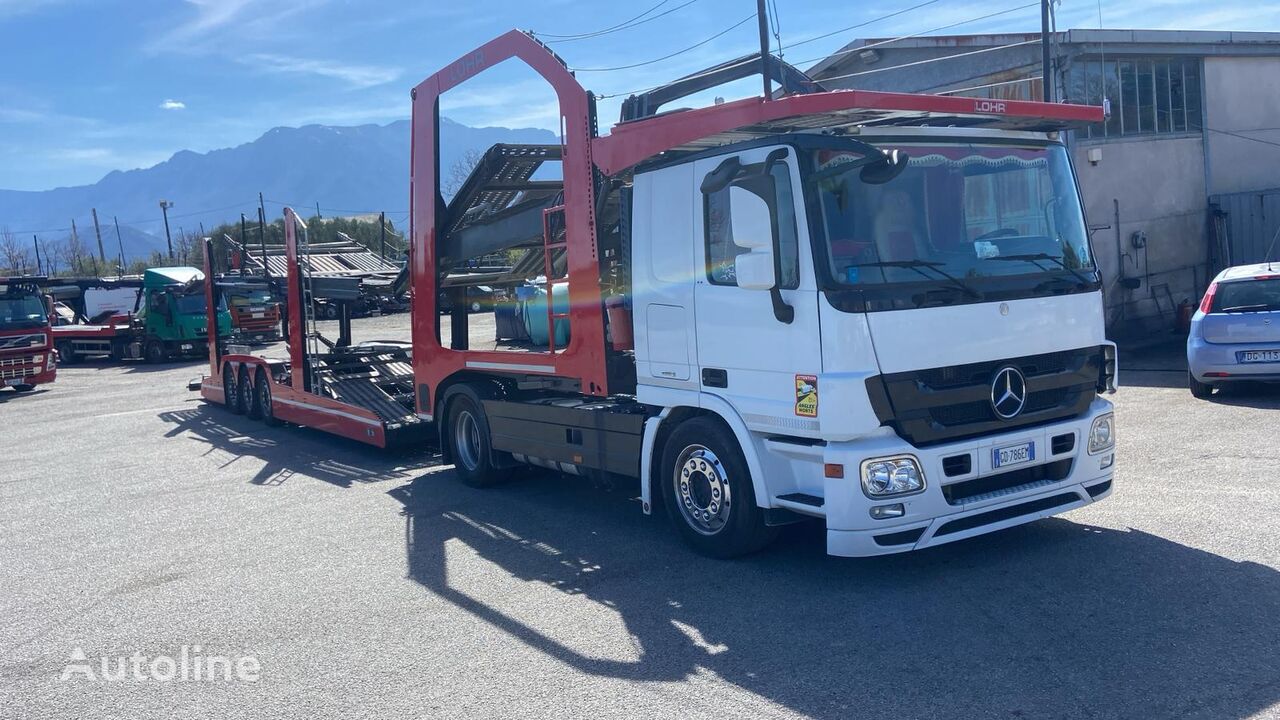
x=1247, y=222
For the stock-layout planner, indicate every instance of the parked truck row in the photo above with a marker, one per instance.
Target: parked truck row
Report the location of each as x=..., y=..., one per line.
x=874, y=310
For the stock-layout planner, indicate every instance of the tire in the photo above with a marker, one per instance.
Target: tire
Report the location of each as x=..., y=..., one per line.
x=66, y=355
x=248, y=398
x=707, y=489
x=23, y=388
x=469, y=442
x=154, y=352
x=1198, y=389
x=230, y=390
x=330, y=312
x=262, y=397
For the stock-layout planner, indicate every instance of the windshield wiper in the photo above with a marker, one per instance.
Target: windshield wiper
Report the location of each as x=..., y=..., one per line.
x=1034, y=257
x=1260, y=307
x=934, y=266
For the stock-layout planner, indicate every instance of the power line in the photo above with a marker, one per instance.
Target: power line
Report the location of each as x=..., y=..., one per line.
x=931, y=60
x=594, y=33
x=591, y=36
x=862, y=24
x=988, y=85
x=919, y=34
x=726, y=31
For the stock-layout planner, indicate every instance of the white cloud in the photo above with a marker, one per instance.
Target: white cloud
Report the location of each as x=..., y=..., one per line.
x=171, y=104
x=357, y=76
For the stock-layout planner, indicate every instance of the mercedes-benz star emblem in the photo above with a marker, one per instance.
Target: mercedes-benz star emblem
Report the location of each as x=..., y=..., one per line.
x=1008, y=392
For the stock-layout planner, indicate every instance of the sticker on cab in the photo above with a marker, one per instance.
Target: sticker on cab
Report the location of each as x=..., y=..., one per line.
x=807, y=395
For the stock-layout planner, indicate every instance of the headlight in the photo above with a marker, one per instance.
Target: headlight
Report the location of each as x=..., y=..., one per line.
x=37, y=359
x=1102, y=434
x=887, y=477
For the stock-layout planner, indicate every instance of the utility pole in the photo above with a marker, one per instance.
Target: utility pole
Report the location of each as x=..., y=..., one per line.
x=75, y=247
x=244, y=247
x=120, y=242
x=182, y=243
x=262, y=237
x=98, y=232
x=262, y=209
x=164, y=208
x=1046, y=74
x=36, y=241
x=318, y=210
x=382, y=226
x=762, y=19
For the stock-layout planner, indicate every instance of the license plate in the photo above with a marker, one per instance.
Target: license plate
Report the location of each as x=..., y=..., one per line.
x=259, y=316
x=1013, y=455
x=1251, y=356
x=14, y=382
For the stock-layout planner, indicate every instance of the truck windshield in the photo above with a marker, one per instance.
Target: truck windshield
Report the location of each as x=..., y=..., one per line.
x=21, y=311
x=957, y=214
x=191, y=303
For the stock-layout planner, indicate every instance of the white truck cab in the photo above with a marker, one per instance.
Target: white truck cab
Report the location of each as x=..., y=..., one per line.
x=913, y=354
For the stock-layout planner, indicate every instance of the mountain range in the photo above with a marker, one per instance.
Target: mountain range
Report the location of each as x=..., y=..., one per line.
x=347, y=170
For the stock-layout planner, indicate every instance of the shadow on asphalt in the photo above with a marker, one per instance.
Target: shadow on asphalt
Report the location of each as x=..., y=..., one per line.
x=287, y=451
x=1052, y=619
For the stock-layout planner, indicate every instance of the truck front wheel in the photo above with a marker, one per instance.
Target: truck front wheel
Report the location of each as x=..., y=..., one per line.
x=707, y=489
x=155, y=352
x=66, y=352
x=469, y=442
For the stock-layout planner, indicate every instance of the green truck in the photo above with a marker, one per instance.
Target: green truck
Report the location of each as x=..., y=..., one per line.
x=167, y=319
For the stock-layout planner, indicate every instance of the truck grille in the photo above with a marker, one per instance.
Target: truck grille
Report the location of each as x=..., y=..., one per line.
x=13, y=367
x=954, y=402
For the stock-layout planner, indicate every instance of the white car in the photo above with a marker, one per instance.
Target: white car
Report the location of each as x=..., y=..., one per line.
x=1235, y=335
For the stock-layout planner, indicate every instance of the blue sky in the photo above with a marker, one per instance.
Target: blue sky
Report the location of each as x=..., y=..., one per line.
x=91, y=86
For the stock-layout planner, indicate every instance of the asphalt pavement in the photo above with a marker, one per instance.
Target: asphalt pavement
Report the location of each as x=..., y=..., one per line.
x=138, y=520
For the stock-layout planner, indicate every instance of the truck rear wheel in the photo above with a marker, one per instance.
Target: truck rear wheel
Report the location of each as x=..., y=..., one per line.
x=66, y=352
x=248, y=399
x=230, y=391
x=262, y=396
x=154, y=352
x=469, y=442
x=707, y=489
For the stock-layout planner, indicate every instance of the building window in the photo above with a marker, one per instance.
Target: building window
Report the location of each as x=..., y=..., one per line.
x=1148, y=95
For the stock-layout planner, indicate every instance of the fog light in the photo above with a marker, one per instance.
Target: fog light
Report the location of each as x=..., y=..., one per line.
x=1102, y=434
x=1107, y=462
x=883, y=512
x=37, y=359
x=891, y=476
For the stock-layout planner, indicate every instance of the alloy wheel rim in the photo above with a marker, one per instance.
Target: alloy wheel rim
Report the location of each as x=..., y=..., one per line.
x=702, y=490
x=466, y=440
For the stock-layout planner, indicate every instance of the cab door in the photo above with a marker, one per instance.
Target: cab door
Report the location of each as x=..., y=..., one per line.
x=758, y=346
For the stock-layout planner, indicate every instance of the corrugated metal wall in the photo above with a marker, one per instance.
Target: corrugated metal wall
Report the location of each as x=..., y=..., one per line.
x=1252, y=219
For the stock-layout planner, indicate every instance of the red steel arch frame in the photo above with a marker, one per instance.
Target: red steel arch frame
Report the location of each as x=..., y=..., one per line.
x=584, y=358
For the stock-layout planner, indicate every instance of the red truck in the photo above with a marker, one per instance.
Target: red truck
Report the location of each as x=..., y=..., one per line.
x=26, y=349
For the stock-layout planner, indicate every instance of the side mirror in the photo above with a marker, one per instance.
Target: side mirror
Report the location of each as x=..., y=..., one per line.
x=752, y=226
x=884, y=169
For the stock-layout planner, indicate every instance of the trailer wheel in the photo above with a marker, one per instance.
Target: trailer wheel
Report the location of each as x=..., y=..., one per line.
x=231, y=393
x=707, y=489
x=248, y=399
x=262, y=396
x=154, y=352
x=469, y=442
x=66, y=352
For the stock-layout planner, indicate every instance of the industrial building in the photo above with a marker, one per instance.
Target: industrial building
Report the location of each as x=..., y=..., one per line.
x=1182, y=178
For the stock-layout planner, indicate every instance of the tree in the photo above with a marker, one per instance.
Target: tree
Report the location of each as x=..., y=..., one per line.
x=459, y=171
x=13, y=253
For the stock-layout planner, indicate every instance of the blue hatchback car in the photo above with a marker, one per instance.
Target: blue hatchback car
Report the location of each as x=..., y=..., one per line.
x=1235, y=335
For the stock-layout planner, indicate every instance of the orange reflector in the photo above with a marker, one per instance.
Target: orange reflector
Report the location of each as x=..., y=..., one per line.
x=833, y=470
x=1217, y=374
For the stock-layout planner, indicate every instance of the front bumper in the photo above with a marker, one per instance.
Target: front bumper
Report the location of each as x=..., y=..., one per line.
x=957, y=507
x=1204, y=358
x=17, y=370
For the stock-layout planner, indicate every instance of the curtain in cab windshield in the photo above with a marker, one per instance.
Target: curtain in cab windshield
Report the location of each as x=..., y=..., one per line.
x=968, y=211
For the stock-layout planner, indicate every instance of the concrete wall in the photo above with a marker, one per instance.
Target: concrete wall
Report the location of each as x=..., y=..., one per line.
x=1160, y=186
x=1242, y=95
